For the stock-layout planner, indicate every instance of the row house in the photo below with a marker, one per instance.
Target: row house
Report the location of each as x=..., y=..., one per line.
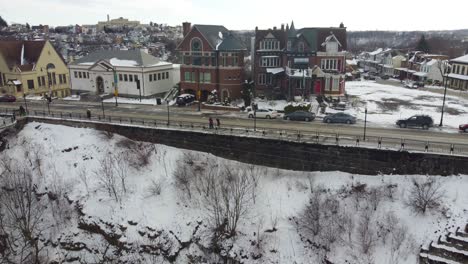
x=123, y=72
x=458, y=78
x=303, y=62
x=32, y=68
x=212, y=62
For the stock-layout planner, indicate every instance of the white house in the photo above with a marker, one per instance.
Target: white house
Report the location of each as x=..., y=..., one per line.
x=99, y=71
x=430, y=70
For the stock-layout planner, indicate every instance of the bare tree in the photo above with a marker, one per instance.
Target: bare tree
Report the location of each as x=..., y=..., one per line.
x=107, y=178
x=366, y=234
x=425, y=195
x=21, y=214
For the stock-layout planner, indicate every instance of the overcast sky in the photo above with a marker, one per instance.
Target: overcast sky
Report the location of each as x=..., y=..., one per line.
x=246, y=14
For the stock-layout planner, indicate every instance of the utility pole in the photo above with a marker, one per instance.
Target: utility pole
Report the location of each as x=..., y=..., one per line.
x=365, y=123
x=445, y=95
x=102, y=104
x=168, y=120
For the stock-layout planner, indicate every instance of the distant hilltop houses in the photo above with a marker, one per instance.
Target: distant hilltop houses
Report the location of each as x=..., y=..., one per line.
x=117, y=22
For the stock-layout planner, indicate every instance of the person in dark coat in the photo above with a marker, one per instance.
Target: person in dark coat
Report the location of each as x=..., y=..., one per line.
x=211, y=122
x=218, y=123
x=88, y=114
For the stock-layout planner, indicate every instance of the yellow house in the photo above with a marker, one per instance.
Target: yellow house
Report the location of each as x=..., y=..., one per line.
x=32, y=68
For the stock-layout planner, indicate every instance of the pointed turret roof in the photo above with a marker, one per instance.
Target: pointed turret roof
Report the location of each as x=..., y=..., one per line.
x=292, y=30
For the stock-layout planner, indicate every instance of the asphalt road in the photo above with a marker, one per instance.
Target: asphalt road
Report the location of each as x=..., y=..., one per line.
x=191, y=115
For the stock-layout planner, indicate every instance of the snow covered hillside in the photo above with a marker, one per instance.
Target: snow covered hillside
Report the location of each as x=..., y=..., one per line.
x=102, y=198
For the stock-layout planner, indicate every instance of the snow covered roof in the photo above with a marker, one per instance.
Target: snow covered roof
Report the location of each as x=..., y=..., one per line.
x=351, y=62
x=420, y=74
x=458, y=76
x=462, y=59
x=123, y=58
x=375, y=52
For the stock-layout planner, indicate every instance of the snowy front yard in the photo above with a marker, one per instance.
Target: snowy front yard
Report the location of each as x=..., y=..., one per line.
x=145, y=203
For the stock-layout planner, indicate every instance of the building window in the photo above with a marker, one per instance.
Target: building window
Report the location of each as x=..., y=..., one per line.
x=54, y=80
x=270, y=61
x=300, y=47
x=234, y=60
x=120, y=77
x=224, y=59
x=329, y=64
x=135, y=77
x=60, y=78
x=76, y=74
x=151, y=77
x=87, y=75
x=205, y=77
x=262, y=78
x=188, y=76
x=80, y=76
x=335, y=84
x=30, y=84
x=167, y=75
x=159, y=76
x=43, y=80
x=65, y=77
x=125, y=77
x=130, y=77
x=269, y=44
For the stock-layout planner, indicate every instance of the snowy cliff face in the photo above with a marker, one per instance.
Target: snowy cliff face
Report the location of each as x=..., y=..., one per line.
x=102, y=197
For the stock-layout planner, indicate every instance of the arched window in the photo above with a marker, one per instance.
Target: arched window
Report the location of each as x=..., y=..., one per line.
x=50, y=66
x=196, y=45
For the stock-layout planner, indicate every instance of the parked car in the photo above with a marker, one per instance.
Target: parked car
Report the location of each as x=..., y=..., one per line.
x=423, y=121
x=411, y=85
x=369, y=77
x=264, y=113
x=300, y=116
x=463, y=128
x=340, y=118
x=384, y=77
x=7, y=98
x=185, y=99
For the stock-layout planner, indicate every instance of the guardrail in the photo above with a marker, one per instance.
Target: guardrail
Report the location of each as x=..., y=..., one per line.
x=284, y=134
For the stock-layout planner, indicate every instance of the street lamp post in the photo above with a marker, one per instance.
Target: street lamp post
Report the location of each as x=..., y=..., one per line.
x=168, y=120
x=254, y=108
x=365, y=124
x=25, y=103
x=102, y=104
x=198, y=92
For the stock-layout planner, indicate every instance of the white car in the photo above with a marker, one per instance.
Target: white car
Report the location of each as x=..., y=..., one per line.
x=264, y=113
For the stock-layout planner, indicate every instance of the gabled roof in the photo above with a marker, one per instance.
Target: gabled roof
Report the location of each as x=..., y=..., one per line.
x=211, y=33
x=462, y=59
x=21, y=53
x=230, y=42
x=129, y=58
x=331, y=38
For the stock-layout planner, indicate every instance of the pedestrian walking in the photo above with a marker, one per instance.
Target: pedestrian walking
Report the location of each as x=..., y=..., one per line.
x=211, y=122
x=218, y=123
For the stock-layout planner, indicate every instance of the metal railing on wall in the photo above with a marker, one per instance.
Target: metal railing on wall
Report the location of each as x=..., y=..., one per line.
x=323, y=138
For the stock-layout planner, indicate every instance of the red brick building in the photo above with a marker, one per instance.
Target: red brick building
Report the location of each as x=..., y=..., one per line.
x=212, y=60
x=302, y=62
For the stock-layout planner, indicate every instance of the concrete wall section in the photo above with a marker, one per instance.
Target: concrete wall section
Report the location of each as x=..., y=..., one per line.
x=291, y=155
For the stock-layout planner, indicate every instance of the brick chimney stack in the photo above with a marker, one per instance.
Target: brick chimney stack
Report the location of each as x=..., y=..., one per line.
x=186, y=26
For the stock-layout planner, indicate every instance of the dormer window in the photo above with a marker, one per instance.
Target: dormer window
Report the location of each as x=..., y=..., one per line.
x=196, y=45
x=332, y=46
x=300, y=47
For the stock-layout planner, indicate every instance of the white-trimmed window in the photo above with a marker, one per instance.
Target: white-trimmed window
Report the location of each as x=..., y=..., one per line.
x=262, y=78
x=269, y=44
x=270, y=61
x=329, y=64
x=335, y=84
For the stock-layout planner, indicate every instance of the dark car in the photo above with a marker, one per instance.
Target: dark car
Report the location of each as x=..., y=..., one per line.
x=423, y=121
x=384, y=77
x=185, y=99
x=463, y=128
x=300, y=116
x=419, y=84
x=7, y=98
x=340, y=118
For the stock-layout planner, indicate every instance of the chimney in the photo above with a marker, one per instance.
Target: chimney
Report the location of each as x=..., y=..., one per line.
x=282, y=27
x=186, y=26
x=256, y=28
x=274, y=28
x=108, y=18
